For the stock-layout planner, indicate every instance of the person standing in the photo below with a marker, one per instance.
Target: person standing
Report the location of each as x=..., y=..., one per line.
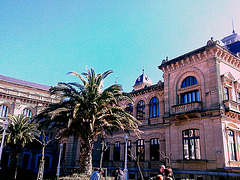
x=96, y=174
x=167, y=173
x=161, y=170
x=119, y=174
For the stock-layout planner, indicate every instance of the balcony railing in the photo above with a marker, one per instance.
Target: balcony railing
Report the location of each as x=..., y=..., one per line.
x=232, y=106
x=181, y=108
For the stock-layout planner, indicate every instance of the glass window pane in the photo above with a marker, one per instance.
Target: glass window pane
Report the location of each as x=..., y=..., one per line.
x=185, y=147
x=184, y=84
x=4, y=110
x=197, y=146
x=193, y=96
x=197, y=96
x=191, y=81
x=187, y=82
x=185, y=98
x=191, y=149
x=189, y=97
x=194, y=80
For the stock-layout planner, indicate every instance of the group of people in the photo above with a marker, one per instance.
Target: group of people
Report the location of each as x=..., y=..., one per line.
x=164, y=173
x=119, y=175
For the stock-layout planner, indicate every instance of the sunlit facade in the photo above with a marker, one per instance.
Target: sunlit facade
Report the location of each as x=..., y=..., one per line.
x=190, y=121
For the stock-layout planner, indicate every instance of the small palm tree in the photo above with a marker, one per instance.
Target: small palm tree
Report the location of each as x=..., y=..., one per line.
x=20, y=132
x=88, y=111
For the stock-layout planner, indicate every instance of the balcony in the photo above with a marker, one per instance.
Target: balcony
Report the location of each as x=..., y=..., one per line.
x=183, y=108
x=232, y=106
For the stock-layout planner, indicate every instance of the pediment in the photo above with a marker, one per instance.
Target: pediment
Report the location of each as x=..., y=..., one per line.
x=229, y=76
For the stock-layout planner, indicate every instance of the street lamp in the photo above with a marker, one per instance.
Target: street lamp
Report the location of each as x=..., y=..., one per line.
x=125, y=167
x=5, y=126
x=59, y=160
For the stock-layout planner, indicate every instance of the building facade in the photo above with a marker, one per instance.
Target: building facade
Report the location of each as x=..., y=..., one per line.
x=23, y=97
x=191, y=121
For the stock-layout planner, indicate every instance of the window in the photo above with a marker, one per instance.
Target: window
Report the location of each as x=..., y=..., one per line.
x=154, y=149
x=192, y=96
x=129, y=108
x=27, y=112
x=231, y=145
x=191, y=144
x=189, y=81
x=129, y=149
x=226, y=93
x=141, y=149
x=106, y=154
x=116, y=151
x=26, y=160
x=140, y=110
x=154, y=107
x=4, y=110
x=238, y=97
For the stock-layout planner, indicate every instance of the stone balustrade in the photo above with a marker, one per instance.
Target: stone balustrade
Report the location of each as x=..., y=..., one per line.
x=232, y=106
x=181, y=108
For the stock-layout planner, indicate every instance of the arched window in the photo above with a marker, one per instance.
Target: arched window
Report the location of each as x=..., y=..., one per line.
x=4, y=110
x=129, y=108
x=191, y=144
x=189, y=81
x=154, y=107
x=27, y=112
x=190, y=96
x=140, y=110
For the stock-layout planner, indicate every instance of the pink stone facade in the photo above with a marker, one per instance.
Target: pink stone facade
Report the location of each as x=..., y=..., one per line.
x=198, y=126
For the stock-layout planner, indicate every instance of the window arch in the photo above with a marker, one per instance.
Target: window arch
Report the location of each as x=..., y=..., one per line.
x=27, y=112
x=189, y=96
x=154, y=107
x=4, y=110
x=140, y=110
x=189, y=81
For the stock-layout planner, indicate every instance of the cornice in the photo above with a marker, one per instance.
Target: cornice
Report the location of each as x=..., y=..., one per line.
x=203, y=53
x=146, y=90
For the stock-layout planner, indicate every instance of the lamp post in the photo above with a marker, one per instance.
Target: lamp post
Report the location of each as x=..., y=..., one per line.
x=125, y=167
x=59, y=160
x=5, y=126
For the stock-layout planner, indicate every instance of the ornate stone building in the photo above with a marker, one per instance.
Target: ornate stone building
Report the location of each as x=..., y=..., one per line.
x=23, y=97
x=190, y=122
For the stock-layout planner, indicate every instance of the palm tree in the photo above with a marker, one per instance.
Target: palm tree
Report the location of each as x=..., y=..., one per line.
x=20, y=132
x=88, y=111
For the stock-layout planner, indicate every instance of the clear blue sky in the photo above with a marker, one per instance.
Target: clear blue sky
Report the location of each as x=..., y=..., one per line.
x=40, y=41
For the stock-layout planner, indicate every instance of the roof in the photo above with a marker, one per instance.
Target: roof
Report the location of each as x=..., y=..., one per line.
x=143, y=79
x=24, y=83
x=184, y=56
x=234, y=47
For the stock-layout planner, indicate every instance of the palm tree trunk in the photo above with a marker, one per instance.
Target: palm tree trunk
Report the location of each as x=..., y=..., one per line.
x=15, y=174
x=86, y=157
